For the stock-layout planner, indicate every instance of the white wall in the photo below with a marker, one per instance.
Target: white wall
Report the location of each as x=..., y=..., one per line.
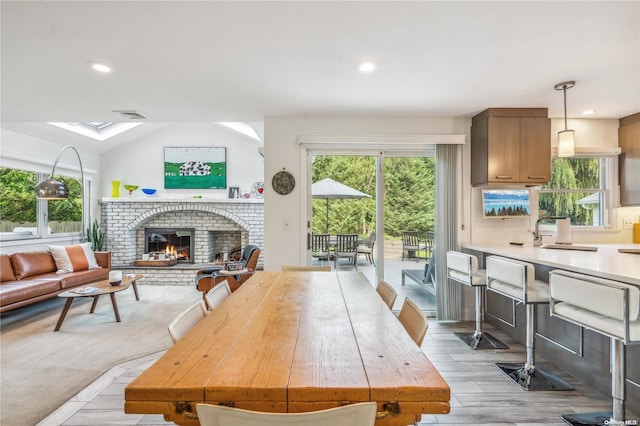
x=141, y=162
x=282, y=151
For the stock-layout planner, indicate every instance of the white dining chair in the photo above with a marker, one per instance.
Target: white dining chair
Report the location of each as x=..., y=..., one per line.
x=359, y=414
x=413, y=320
x=319, y=268
x=217, y=295
x=387, y=293
x=187, y=319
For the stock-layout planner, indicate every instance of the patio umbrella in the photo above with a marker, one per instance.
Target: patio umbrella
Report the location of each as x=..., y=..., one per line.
x=329, y=189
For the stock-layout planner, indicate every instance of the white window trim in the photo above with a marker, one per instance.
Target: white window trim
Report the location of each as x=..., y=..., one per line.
x=608, y=175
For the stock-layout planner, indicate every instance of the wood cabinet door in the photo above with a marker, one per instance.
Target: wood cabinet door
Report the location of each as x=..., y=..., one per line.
x=535, y=150
x=629, y=140
x=503, y=159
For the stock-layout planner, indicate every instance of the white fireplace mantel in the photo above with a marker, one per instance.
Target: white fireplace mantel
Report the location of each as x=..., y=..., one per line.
x=181, y=200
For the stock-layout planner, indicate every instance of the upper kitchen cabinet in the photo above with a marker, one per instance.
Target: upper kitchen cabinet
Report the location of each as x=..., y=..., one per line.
x=629, y=141
x=511, y=146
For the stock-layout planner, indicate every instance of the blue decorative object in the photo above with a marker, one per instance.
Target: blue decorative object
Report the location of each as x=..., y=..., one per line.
x=149, y=191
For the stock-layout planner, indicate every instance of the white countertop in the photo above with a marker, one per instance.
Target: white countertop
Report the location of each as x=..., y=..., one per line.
x=607, y=262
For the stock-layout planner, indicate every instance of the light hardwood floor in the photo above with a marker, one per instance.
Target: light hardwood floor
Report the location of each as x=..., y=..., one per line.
x=480, y=393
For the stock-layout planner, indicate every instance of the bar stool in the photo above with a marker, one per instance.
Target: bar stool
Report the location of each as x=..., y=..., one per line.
x=516, y=280
x=606, y=307
x=463, y=268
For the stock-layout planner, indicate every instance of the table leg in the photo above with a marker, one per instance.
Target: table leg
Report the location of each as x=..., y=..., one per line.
x=63, y=314
x=115, y=306
x=94, y=304
x=135, y=289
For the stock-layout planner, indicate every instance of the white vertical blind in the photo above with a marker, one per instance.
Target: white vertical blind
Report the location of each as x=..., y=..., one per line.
x=448, y=295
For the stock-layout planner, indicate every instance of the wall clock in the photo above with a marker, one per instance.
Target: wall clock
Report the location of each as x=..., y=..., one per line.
x=283, y=182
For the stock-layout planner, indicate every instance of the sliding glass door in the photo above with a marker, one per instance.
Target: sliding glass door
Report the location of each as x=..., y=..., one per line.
x=377, y=195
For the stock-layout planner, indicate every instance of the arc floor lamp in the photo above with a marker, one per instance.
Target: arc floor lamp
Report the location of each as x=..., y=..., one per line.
x=52, y=189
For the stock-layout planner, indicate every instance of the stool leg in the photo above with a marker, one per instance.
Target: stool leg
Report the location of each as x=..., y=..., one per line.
x=530, y=365
x=528, y=376
x=618, y=377
x=478, y=339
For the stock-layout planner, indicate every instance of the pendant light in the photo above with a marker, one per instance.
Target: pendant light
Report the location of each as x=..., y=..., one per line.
x=566, y=142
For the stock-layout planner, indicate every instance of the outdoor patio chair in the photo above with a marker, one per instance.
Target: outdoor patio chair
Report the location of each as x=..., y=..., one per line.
x=430, y=243
x=366, y=248
x=320, y=247
x=346, y=247
x=411, y=244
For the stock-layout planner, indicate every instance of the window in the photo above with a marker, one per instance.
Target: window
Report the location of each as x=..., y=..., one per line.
x=579, y=190
x=18, y=204
x=22, y=215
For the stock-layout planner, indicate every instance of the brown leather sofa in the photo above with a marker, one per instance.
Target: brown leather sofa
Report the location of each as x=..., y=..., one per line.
x=30, y=277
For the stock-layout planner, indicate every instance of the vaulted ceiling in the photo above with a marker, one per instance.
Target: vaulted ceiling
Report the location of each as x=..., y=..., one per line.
x=209, y=61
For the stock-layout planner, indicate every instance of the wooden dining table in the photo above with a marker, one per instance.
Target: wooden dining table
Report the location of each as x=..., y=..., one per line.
x=294, y=341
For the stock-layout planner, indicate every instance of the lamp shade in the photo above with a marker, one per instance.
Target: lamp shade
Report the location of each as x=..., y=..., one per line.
x=52, y=189
x=566, y=145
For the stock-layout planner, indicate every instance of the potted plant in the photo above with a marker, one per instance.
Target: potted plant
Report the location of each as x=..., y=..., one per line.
x=96, y=236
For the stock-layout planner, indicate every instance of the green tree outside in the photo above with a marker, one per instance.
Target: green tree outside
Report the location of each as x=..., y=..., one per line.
x=570, y=173
x=409, y=195
x=18, y=204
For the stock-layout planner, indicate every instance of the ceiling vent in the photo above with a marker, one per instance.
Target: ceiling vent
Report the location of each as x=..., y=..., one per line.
x=131, y=115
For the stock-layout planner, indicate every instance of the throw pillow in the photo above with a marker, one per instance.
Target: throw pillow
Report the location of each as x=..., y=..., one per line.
x=78, y=257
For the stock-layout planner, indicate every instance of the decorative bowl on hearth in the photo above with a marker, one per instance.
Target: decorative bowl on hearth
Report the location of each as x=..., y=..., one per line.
x=149, y=191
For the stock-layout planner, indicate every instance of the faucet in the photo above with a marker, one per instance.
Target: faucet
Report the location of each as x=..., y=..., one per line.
x=537, y=238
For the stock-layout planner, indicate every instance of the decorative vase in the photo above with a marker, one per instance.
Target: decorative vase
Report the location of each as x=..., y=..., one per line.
x=115, y=188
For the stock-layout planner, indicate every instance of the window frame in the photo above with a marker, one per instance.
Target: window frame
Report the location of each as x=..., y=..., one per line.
x=42, y=212
x=608, y=183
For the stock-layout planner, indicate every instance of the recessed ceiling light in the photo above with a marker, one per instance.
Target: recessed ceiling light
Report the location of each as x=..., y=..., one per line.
x=100, y=67
x=589, y=112
x=367, y=66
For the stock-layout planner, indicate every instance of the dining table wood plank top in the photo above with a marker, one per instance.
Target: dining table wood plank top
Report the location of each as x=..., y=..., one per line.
x=294, y=341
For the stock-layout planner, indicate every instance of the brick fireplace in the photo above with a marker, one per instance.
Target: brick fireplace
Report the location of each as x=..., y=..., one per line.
x=216, y=225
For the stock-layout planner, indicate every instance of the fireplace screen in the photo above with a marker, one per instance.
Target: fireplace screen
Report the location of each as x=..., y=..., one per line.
x=176, y=242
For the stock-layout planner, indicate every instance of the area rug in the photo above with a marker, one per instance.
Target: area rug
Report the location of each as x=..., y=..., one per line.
x=41, y=369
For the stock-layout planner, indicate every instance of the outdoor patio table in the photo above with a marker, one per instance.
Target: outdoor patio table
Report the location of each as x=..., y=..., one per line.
x=294, y=342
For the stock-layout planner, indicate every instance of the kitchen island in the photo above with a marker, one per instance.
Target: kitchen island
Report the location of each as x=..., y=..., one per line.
x=605, y=262
x=582, y=353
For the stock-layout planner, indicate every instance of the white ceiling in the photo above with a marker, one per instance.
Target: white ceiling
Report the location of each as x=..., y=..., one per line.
x=208, y=61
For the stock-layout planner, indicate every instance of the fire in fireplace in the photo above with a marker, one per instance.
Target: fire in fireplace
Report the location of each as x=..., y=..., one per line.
x=176, y=242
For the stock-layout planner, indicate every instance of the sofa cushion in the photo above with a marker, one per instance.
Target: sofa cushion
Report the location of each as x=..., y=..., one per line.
x=32, y=263
x=6, y=270
x=83, y=277
x=17, y=291
x=73, y=258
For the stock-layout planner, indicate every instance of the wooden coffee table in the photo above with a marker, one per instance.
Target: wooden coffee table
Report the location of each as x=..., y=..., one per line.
x=96, y=290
